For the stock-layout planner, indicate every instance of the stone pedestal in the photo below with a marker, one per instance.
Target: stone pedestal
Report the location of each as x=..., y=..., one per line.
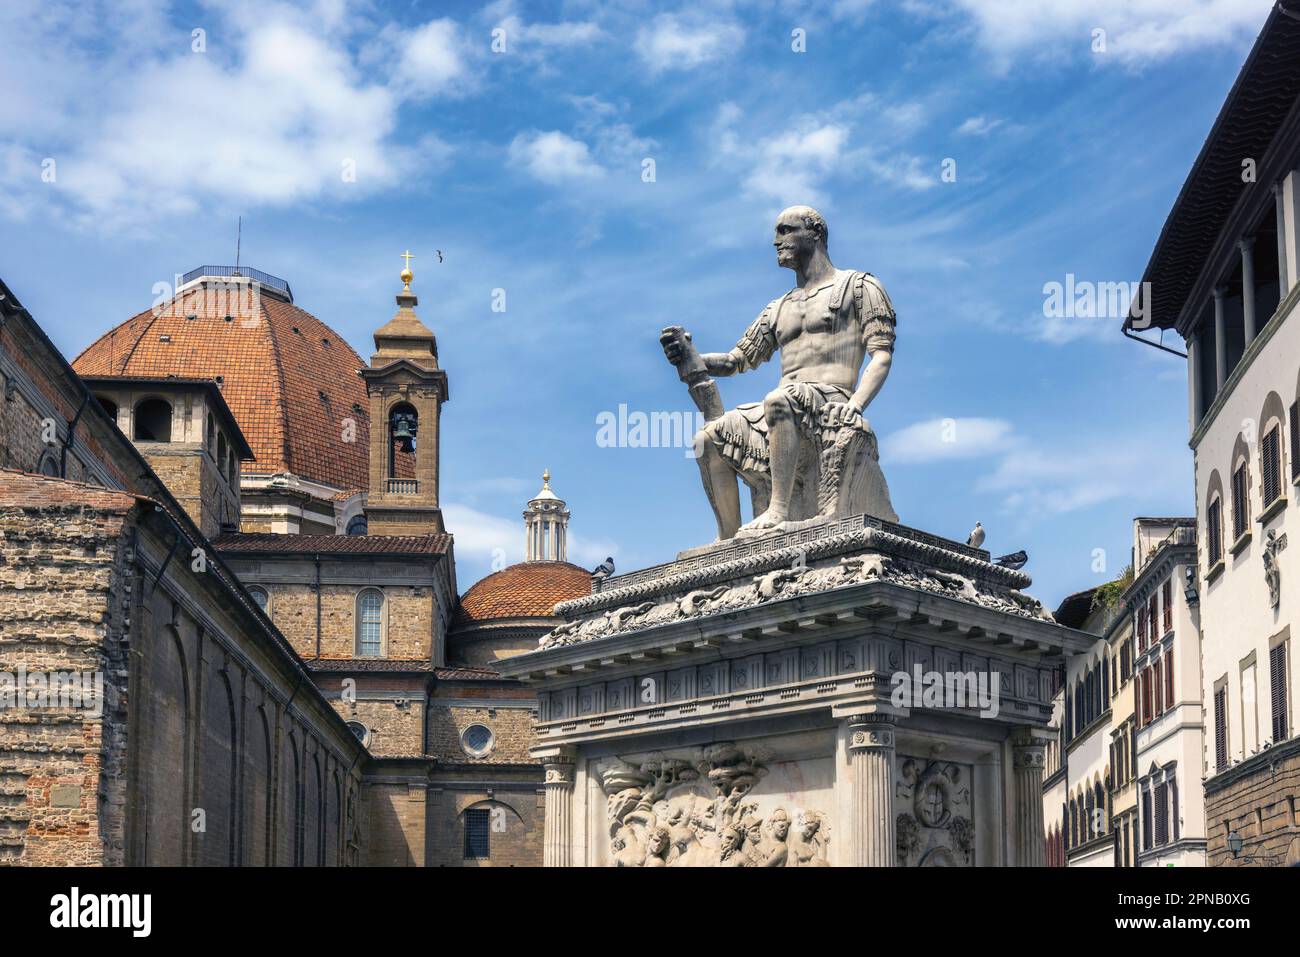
x=747, y=706
x=558, y=787
x=871, y=770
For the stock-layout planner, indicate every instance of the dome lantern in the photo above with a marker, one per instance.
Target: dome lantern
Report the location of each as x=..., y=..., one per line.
x=546, y=525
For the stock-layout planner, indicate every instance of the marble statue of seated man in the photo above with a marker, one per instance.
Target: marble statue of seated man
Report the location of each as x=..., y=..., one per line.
x=805, y=450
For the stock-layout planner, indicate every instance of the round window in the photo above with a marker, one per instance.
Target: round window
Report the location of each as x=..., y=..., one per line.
x=477, y=740
x=360, y=730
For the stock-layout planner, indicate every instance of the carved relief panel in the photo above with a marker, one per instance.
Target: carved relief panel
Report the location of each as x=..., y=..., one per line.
x=935, y=822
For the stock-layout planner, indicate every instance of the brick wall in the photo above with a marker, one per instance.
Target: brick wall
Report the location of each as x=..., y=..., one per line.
x=515, y=814
x=63, y=579
x=409, y=619
x=1262, y=804
x=512, y=729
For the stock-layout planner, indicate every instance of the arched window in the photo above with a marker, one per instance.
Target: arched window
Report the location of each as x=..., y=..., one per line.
x=212, y=435
x=49, y=465
x=153, y=421
x=232, y=467
x=222, y=455
x=370, y=623
x=357, y=525
x=109, y=406
x=262, y=597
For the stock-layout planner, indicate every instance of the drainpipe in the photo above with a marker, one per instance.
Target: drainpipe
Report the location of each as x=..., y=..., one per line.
x=318, y=608
x=67, y=441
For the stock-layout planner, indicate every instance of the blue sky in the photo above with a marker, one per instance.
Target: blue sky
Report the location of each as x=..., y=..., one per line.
x=525, y=167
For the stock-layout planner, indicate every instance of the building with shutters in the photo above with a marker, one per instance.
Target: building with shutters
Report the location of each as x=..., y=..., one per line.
x=1224, y=278
x=1083, y=829
x=1167, y=691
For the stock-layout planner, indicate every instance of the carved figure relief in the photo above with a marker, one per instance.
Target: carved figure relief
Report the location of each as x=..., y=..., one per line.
x=680, y=812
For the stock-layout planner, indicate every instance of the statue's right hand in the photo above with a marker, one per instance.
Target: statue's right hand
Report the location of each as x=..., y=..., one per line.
x=674, y=339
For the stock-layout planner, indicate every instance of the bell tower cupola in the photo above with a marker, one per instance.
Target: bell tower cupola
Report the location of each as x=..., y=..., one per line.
x=406, y=390
x=546, y=525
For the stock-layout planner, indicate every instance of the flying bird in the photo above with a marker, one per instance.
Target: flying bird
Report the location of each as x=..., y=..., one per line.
x=604, y=569
x=439, y=252
x=1015, y=561
x=976, y=536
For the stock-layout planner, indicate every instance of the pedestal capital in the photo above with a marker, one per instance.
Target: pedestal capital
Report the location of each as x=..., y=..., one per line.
x=558, y=763
x=1029, y=748
x=869, y=732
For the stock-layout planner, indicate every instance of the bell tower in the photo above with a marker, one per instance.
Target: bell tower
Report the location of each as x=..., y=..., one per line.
x=406, y=390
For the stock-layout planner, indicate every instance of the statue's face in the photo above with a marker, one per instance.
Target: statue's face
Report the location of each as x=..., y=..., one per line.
x=781, y=827
x=794, y=242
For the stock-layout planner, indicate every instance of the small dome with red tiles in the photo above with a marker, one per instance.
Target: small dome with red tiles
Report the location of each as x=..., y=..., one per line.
x=526, y=590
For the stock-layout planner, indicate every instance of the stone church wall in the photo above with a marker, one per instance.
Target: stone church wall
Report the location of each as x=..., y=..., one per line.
x=212, y=746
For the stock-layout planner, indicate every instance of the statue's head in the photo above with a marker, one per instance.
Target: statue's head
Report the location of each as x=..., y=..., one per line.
x=800, y=231
x=780, y=823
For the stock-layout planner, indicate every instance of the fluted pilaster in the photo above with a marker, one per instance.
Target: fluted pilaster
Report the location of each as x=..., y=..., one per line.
x=557, y=840
x=871, y=764
x=1028, y=759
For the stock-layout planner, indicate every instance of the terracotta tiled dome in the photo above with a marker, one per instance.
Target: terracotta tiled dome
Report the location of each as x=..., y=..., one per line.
x=526, y=590
x=289, y=379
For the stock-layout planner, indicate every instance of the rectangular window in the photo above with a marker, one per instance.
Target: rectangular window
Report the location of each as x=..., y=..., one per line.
x=1167, y=600
x=1295, y=440
x=1146, y=696
x=1142, y=630
x=1214, y=531
x=1221, y=729
x=1270, y=453
x=1157, y=688
x=1146, y=820
x=1277, y=691
x=1153, y=614
x=1240, y=514
x=1162, y=814
x=477, y=832
x=1169, y=678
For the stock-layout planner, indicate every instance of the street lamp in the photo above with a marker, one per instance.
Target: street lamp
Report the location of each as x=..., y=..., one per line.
x=1235, y=843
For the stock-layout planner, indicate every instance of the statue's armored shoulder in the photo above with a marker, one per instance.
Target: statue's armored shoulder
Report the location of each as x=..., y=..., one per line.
x=759, y=341
x=875, y=312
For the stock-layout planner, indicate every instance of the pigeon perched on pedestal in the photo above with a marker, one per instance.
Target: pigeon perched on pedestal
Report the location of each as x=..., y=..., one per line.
x=976, y=536
x=1015, y=561
x=604, y=569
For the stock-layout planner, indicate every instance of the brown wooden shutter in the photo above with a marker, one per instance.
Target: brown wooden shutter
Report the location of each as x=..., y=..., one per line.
x=1214, y=519
x=1295, y=439
x=1157, y=690
x=1167, y=597
x=1277, y=685
x=1221, y=729
x=1162, y=814
x=1270, y=451
x=1239, y=502
x=1169, y=678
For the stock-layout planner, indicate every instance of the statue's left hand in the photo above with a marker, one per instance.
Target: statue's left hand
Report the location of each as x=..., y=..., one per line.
x=840, y=414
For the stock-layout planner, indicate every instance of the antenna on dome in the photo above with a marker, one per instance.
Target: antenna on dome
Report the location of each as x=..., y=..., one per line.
x=239, y=235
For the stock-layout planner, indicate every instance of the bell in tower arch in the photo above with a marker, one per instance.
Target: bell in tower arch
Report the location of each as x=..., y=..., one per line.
x=404, y=424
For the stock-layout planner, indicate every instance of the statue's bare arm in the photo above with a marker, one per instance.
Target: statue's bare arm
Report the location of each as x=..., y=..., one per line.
x=873, y=377
x=723, y=363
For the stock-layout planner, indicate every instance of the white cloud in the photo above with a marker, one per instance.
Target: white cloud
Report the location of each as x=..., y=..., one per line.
x=483, y=537
x=1032, y=479
x=1136, y=31
x=554, y=157
x=789, y=167
x=938, y=440
x=673, y=42
x=978, y=125
x=429, y=59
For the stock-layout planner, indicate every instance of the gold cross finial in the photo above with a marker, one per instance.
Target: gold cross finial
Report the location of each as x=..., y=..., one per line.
x=546, y=478
x=407, y=275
